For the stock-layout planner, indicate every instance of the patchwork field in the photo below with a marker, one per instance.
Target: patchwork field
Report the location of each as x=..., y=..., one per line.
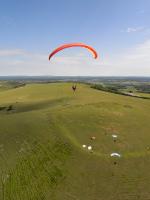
x=43, y=128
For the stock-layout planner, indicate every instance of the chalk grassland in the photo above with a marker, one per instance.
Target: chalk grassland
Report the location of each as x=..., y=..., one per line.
x=41, y=140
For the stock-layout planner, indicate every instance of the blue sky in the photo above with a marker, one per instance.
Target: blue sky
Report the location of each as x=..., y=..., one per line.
x=119, y=30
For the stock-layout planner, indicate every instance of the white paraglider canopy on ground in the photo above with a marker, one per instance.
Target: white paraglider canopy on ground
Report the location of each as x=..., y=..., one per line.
x=114, y=136
x=115, y=155
x=89, y=147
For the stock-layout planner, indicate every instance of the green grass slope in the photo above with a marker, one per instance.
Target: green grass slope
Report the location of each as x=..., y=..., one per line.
x=41, y=140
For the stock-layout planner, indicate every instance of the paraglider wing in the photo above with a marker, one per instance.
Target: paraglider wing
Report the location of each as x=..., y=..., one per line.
x=114, y=136
x=95, y=55
x=115, y=155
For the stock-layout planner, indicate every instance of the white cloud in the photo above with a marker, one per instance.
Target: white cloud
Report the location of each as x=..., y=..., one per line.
x=134, y=61
x=11, y=52
x=133, y=29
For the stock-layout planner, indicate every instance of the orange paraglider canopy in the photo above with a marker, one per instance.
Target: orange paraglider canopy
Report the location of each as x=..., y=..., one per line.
x=95, y=55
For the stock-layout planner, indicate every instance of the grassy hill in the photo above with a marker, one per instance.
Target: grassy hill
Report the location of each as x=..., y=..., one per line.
x=41, y=140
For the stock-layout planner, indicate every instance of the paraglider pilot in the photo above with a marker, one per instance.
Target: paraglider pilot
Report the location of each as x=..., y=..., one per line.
x=74, y=87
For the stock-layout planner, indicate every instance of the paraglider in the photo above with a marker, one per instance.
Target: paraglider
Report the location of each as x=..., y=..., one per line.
x=62, y=47
x=115, y=155
x=93, y=138
x=89, y=48
x=114, y=137
x=89, y=148
x=74, y=87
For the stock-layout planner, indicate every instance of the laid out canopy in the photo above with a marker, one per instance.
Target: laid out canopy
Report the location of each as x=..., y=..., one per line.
x=115, y=155
x=114, y=136
x=89, y=48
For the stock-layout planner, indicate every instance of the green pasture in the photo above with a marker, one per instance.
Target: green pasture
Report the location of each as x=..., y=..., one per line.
x=41, y=140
